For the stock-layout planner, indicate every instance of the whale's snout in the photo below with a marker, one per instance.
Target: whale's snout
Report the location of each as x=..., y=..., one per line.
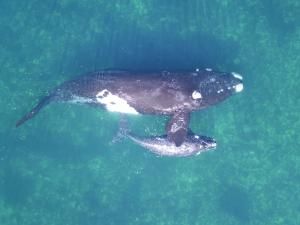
x=215, y=87
x=237, y=82
x=209, y=142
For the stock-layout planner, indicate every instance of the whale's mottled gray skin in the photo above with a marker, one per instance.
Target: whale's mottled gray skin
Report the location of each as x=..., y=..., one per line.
x=162, y=93
x=192, y=145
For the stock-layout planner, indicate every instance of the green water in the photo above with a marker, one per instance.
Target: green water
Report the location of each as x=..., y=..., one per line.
x=62, y=168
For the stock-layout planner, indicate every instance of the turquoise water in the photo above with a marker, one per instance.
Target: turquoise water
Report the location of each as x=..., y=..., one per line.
x=62, y=167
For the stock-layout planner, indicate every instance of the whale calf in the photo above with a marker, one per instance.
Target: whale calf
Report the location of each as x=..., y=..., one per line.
x=193, y=144
x=173, y=93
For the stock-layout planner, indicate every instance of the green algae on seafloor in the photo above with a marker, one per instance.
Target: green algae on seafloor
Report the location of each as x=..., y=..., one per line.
x=64, y=159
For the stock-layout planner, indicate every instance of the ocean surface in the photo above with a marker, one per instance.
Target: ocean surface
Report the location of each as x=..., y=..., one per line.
x=62, y=167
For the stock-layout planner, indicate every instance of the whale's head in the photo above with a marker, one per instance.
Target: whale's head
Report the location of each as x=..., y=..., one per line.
x=199, y=143
x=214, y=87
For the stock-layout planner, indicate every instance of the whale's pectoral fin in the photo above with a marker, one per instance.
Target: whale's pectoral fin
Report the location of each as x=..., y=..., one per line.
x=177, y=127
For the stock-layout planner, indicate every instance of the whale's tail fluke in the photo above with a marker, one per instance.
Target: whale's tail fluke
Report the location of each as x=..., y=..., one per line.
x=43, y=102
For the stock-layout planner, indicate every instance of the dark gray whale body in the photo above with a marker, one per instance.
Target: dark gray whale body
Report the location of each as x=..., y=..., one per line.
x=161, y=93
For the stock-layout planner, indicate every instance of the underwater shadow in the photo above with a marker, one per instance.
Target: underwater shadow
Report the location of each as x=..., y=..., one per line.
x=173, y=52
x=151, y=51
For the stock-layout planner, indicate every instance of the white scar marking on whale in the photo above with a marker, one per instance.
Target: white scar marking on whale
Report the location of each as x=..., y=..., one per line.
x=114, y=103
x=196, y=95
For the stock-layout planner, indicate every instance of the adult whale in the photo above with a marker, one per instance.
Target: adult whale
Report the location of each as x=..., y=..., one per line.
x=162, y=93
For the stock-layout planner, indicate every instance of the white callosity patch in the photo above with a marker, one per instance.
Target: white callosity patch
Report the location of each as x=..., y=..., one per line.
x=239, y=87
x=196, y=95
x=114, y=103
x=237, y=75
x=220, y=91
